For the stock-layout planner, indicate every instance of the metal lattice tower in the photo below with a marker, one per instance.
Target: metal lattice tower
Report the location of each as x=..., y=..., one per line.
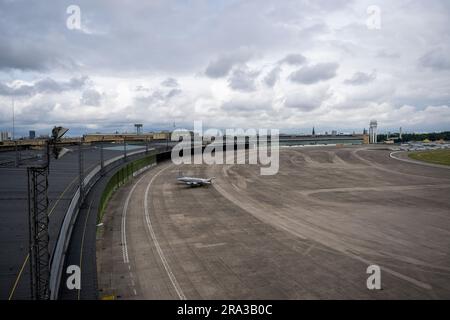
x=102, y=160
x=38, y=219
x=38, y=232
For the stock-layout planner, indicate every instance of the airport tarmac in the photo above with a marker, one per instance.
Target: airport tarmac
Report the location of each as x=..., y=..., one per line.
x=309, y=232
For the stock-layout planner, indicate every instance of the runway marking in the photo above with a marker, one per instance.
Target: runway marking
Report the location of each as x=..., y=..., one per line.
x=399, y=275
x=309, y=249
x=18, y=277
x=423, y=163
x=169, y=272
x=380, y=167
x=201, y=245
x=124, y=218
x=82, y=241
x=382, y=188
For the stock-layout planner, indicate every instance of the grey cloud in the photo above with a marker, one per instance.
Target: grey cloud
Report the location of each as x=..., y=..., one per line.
x=387, y=55
x=158, y=97
x=14, y=57
x=91, y=97
x=221, y=66
x=170, y=82
x=141, y=88
x=361, y=78
x=307, y=101
x=246, y=107
x=272, y=77
x=172, y=93
x=31, y=37
x=243, y=79
x=293, y=59
x=6, y=90
x=296, y=102
x=154, y=97
x=437, y=59
x=46, y=85
x=314, y=73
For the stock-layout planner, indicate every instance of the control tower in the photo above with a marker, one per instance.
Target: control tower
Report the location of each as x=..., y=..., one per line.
x=373, y=131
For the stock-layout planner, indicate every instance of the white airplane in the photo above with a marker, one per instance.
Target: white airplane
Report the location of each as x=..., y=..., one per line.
x=195, y=182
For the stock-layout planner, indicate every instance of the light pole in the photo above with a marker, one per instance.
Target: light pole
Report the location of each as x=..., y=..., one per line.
x=16, y=150
x=124, y=149
x=38, y=232
x=167, y=141
x=13, y=118
x=81, y=172
x=102, y=163
x=38, y=218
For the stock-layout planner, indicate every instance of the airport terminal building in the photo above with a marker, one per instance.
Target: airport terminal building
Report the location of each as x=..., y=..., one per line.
x=290, y=140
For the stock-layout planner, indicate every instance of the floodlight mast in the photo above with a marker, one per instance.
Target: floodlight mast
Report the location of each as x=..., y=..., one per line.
x=81, y=172
x=38, y=220
x=102, y=160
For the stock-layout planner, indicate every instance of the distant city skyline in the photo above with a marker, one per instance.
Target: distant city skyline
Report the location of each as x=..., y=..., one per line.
x=75, y=132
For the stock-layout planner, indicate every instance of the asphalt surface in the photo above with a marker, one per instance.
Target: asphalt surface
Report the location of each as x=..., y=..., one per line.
x=309, y=232
x=63, y=182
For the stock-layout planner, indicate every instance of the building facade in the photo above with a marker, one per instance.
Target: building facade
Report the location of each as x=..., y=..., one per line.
x=4, y=136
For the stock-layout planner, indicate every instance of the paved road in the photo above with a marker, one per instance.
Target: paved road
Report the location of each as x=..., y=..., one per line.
x=308, y=232
x=63, y=182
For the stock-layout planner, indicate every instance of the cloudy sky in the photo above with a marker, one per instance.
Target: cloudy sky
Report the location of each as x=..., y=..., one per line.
x=252, y=64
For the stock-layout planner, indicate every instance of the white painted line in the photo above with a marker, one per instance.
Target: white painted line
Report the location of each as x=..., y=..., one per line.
x=155, y=241
x=394, y=273
x=423, y=163
x=124, y=219
x=210, y=245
